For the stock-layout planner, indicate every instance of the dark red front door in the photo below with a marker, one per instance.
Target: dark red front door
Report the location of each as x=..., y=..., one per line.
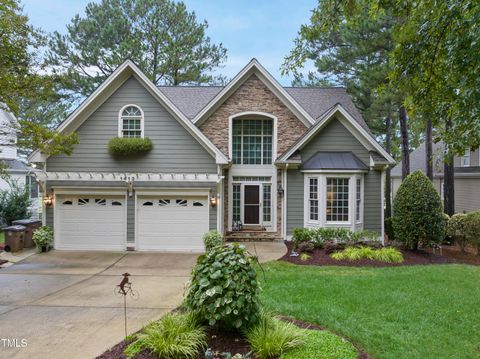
x=251, y=214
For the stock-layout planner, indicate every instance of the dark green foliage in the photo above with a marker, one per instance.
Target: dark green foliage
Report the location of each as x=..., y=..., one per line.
x=175, y=336
x=472, y=229
x=129, y=147
x=417, y=212
x=14, y=203
x=212, y=239
x=456, y=229
x=320, y=236
x=389, y=229
x=224, y=287
x=43, y=238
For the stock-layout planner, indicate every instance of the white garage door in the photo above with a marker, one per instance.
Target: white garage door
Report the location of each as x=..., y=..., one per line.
x=171, y=223
x=90, y=222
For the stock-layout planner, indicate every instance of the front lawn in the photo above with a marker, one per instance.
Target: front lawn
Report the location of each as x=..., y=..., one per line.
x=430, y=311
x=2, y=237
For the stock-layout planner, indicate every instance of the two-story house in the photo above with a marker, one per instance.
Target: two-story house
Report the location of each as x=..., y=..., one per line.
x=252, y=159
x=466, y=174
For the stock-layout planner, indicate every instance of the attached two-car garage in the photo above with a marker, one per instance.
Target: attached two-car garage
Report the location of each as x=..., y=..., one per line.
x=161, y=222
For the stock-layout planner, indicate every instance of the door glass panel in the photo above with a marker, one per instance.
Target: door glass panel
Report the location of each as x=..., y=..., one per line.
x=251, y=204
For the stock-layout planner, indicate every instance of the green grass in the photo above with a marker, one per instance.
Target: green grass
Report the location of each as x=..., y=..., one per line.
x=329, y=345
x=397, y=312
x=2, y=237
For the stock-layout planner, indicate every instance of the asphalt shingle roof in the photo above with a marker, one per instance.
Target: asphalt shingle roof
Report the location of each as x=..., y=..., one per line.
x=15, y=165
x=190, y=100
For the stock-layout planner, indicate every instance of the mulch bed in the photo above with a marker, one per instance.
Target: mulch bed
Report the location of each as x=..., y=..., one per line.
x=420, y=257
x=221, y=342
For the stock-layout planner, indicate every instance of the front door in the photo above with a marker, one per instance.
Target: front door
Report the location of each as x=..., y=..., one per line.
x=251, y=207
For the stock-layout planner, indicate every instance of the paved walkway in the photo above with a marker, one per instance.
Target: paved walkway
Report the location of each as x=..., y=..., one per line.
x=63, y=303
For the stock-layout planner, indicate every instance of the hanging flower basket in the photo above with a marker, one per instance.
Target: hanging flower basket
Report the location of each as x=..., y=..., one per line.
x=129, y=147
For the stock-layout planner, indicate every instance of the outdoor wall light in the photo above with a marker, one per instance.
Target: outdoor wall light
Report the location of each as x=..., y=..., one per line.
x=280, y=191
x=48, y=200
x=213, y=201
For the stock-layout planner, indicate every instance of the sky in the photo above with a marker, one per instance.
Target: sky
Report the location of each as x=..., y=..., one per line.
x=264, y=29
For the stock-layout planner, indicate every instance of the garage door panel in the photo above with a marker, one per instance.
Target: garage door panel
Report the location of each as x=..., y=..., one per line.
x=172, y=223
x=90, y=222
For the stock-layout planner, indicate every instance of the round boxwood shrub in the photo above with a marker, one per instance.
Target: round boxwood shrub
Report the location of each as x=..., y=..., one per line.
x=472, y=229
x=129, y=147
x=224, y=288
x=417, y=212
x=456, y=229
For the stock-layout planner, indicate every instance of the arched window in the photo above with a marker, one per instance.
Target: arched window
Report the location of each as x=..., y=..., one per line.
x=131, y=122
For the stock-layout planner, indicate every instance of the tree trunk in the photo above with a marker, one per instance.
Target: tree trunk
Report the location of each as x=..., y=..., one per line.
x=402, y=114
x=388, y=179
x=448, y=179
x=429, y=149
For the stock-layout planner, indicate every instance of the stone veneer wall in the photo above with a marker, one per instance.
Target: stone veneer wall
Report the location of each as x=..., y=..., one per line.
x=254, y=95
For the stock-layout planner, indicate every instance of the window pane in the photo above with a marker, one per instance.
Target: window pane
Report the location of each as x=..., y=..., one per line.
x=337, y=199
x=358, y=199
x=236, y=202
x=267, y=203
x=252, y=142
x=313, y=199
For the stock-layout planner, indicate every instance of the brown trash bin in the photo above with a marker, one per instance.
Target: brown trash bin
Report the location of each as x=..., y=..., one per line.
x=30, y=226
x=14, y=238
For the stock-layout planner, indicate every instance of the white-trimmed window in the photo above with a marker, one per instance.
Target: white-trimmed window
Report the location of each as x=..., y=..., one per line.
x=337, y=208
x=313, y=198
x=358, y=199
x=252, y=141
x=465, y=159
x=131, y=122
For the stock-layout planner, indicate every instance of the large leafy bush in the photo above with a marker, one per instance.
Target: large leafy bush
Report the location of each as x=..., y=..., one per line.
x=175, y=336
x=224, y=287
x=212, y=239
x=456, y=229
x=472, y=229
x=129, y=147
x=417, y=212
x=14, y=203
x=43, y=238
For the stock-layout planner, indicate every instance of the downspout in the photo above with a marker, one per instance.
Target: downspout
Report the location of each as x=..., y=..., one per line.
x=383, y=205
x=285, y=191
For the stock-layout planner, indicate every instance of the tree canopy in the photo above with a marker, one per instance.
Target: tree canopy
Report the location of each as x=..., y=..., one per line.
x=162, y=37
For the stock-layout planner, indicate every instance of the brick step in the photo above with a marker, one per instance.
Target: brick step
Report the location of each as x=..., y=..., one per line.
x=250, y=236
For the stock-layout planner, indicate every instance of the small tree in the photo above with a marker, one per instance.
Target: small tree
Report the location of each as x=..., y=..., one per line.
x=14, y=203
x=417, y=212
x=456, y=229
x=472, y=229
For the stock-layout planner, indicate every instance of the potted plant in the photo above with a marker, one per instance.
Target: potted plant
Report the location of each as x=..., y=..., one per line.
x=43, y=238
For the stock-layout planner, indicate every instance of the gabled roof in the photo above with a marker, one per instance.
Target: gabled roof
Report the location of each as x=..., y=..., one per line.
x=254, y=67
x=108, y=87
x=14, y=165
x=334, y=161
x=314, y=100
x=357, y=130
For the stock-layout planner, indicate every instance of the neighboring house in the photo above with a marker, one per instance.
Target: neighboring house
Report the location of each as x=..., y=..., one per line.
x=467, y=175
x=252, y=159
x=16, y=169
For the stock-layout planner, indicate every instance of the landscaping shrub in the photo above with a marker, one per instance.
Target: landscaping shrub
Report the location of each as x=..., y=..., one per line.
x=388, y=254
x=43, y=238
x=322, y=344
x=305, y=247
x=175, y=336
x=417, y=212
x=456, y=229
x=14, y=203
x=129, y=147
x=212, y=239
x=224, y=287
x=271, y=337
x=321, y=237
x=472, y=229
x=305, y=257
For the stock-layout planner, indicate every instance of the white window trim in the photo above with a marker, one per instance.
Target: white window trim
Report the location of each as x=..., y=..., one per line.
x=322, y=189
x=466, y=156
x=362, y=197
x=120, y=120
x=274, y=134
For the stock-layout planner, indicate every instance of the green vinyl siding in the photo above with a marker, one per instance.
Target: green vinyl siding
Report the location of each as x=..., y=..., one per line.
x=174, y=149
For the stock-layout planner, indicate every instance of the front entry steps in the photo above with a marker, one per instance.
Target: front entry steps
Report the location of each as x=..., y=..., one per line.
x=252, y=235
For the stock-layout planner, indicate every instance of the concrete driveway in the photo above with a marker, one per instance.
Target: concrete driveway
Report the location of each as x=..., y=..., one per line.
x=62, y=304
